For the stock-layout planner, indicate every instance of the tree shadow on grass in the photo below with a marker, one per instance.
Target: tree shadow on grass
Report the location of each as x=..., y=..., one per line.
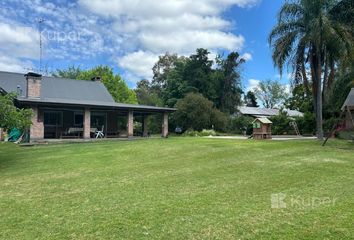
x=10, y=155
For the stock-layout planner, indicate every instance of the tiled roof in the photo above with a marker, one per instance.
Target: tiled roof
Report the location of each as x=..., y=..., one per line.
x=67, y=91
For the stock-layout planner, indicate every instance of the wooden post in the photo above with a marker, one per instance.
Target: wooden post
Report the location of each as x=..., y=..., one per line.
x=333, y=128
x=87, y=123
x=130, y=124
x=165, y=125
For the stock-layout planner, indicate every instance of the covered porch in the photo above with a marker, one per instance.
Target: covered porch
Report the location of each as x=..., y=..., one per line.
x=78, y=122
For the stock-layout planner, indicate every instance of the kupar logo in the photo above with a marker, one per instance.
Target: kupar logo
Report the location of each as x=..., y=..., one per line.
x=277, y=200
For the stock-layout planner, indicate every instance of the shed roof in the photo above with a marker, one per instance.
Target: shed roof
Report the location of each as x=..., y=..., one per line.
x=263, y=120
x=349, y=102
x=267, y=112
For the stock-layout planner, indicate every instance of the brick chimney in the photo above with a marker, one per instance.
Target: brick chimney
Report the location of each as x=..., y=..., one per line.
x=34, y=84
x=96, y=79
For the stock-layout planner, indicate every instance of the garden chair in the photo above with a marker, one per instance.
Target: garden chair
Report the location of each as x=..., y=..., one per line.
x=99, y=133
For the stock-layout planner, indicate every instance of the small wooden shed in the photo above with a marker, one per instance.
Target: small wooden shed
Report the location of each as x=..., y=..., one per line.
x=262, y=128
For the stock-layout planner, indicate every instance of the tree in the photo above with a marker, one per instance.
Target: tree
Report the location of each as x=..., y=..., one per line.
x=162, y=67
x=271, y=93
x=115, y=85
x=250, y=99
x=299, y=100
x=230, y=95
x=317, y=32
x=71, y=72
x=197, y=74
x=175, y=76
x=146, y=94
x=11, y=116
x=196, y=112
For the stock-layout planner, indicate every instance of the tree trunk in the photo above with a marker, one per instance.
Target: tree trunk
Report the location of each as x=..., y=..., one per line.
x=318, y=73
x=304, y=78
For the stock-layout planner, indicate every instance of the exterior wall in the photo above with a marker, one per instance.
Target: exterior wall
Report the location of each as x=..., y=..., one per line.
x=34, y=85
x=264, y=132
x=37, y=127
x=348, y=120
x=87, y=123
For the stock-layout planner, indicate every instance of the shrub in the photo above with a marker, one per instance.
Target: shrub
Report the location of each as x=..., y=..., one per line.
x=208, y=132
x=281, y=124
x=307, y=123
x=203, y=133
x=195, y=112
x=240, y=124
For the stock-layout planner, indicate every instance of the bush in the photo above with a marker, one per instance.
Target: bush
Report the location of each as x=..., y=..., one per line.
x=240, y=124
x=203, y=133
x=196, y=113
x=209, y=132
x=307, y=123
x=281, y=124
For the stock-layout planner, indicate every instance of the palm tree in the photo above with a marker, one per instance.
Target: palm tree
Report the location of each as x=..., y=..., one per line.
x=313, y=34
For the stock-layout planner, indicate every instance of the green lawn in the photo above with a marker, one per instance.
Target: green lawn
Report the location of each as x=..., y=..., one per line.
x=177, y=188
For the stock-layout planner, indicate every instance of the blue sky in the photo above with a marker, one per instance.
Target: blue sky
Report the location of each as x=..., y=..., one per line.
x=129, y=35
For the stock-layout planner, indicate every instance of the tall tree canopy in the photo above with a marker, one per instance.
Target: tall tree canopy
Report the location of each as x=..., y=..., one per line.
x=219, y=81
x=313, y=34
x=271, y=93
x=250, y=99
x=113, y=82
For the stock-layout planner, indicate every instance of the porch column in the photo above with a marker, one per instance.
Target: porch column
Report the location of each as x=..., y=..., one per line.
x=37, y=127
x=165, y=125
x=87, y=123
x=145, y=125
x=130, y=124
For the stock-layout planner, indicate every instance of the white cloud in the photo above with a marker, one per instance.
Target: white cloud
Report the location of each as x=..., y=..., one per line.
x=171, y=8
x=131, y=32
x=247, y=56
x=139, y=63
x=154, y=27
x=14, y=65
x=188, y=41
x=252, y=84
x=18, y=41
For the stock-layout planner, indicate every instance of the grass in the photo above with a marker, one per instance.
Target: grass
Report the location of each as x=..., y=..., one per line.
x=177, y=188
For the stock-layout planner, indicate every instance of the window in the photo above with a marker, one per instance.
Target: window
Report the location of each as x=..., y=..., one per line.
x=53, y=118
x=256, y=125
x=78, y=119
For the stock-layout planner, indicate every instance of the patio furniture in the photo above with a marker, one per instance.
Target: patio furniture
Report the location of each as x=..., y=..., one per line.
x=99, y=133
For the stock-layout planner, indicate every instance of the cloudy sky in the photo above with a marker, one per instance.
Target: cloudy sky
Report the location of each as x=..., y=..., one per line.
x=129, y=35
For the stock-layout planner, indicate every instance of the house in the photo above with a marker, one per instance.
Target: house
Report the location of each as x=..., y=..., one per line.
x=267, y=112
x=348, y=107
x=66, y=108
